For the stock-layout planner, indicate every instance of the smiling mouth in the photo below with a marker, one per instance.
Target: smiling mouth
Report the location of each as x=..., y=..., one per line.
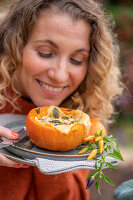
x=50, y=88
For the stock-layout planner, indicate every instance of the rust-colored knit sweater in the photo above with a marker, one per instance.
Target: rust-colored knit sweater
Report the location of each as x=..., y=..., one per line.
x=30, y=184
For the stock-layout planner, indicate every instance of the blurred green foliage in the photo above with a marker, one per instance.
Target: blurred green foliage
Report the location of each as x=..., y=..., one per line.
x=124, y=20
x=122, y=12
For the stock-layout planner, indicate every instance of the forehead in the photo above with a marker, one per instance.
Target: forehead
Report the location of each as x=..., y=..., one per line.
x=54, y=25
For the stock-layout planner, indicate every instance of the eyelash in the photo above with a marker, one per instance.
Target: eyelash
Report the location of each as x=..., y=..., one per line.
x=73, y=61
x=44, y=55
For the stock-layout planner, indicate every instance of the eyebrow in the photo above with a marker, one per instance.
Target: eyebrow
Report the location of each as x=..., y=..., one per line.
x=80, y=50
x=48, y=41
x=56, y=46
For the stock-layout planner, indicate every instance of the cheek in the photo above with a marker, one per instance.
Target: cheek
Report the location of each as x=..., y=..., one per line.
x=79, y=75
x=31, y=65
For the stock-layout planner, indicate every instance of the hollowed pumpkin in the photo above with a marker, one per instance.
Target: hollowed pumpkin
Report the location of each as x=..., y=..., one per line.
x=96, y=125
x=56, y=128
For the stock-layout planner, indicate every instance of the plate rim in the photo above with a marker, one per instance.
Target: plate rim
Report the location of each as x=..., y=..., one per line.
x=17, y=158
x=52, y=154
x=47, y=154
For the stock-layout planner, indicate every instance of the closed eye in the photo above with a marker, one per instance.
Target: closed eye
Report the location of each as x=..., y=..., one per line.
x=75, y=62
x=44, y=55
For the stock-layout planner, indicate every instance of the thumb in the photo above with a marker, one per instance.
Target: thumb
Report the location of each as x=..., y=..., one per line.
x=7, y=133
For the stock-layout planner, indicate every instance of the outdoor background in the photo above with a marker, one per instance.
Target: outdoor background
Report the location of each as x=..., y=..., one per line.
x=122, y=129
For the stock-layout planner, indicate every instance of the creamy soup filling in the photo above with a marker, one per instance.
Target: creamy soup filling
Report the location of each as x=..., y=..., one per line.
x=62, y=122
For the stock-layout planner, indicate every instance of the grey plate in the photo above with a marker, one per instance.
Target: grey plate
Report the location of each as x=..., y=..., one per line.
x=16, y=157
x=26, y=149
x=48, y=162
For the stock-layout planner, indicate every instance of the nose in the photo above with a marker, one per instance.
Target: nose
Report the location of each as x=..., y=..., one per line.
x=59, y=71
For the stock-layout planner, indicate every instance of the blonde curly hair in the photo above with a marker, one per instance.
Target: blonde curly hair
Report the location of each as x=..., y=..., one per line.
x=102, y=85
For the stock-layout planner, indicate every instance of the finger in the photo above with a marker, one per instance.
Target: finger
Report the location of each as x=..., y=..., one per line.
x=5, y=132
x=4, y=161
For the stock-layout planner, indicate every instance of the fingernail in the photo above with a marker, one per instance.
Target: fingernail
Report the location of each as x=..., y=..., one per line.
x=15, y=134
x=16, y=166
x=25, y=166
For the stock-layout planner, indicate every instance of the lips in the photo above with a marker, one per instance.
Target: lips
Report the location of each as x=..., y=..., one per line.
x=49, y=88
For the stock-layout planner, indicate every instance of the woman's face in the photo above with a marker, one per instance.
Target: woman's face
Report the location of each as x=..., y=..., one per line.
x=55, y=59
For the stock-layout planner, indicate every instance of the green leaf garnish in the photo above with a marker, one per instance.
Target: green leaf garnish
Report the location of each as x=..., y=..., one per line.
x=111, y=149
x=110, y=165
x=116, y=154
x=108, y=180
x=98, y=186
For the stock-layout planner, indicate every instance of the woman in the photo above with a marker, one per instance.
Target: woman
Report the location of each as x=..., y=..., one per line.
x=59, y=53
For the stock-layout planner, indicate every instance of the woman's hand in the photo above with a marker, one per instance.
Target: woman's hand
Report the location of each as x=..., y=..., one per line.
x=4, y=161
